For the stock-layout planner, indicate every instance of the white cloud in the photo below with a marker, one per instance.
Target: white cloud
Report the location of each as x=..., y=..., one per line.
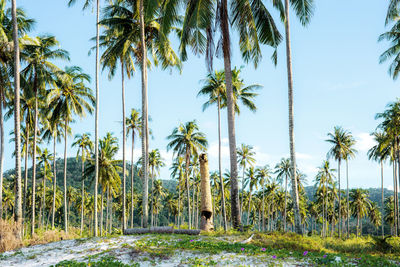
x=364, y=142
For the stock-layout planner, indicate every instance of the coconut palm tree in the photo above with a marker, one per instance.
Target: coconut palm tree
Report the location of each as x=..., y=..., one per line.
x=380, y=152
x=360, y=205
x=255, y=26
x=186, y=141
x=44, y=160
x=85, y=148
x=155, y=163
x=342, y=142
x=70, y=97
x=39, y=71
x=133, y=126
x=304, y=11
x=283, y=171
x=87, y=4
x=253, y=182
x=264, y=175
x=177, y=171
x=245, y=155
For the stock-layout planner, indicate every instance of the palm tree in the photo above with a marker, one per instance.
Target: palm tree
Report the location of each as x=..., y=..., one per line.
x=342, y=142
x=39, y=72
x=44, y=160
x=255, y=26
x=86, y=4
x=245, y=157
x=360, y=205
x=186, y=140
x=133, y=125
x=263, y=174
x=304, y=11
x=252, y=181
x=283, y=170
x=85, y=148
x=70, y=97
x=177, y=173
x=18, y=193
x=380, y=153
x=155, y=163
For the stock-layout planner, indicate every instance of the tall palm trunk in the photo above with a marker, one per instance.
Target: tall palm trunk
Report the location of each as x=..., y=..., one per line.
x=123, y=151
x=145, y=144
x=395, y=196
x=235, y=214
x=65, y=178
x=44, y=199
x=152, y=197
x=249, y=209
x=27, y=137
x=17, y=121
x=383, y=202
x=295, y=192
x=263, y=210
x=348, y=200
x=96, y=138
x=34, y=159
x=1, y=155
x=220, y=165
x=54, y=182
x=242, y=195
x=179, y=200
x=284, y=215
x=132, y=178
x=83, y=194
x=187, y=186
x=340, y=206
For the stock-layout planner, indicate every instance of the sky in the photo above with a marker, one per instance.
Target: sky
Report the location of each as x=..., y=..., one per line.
x=337, y=81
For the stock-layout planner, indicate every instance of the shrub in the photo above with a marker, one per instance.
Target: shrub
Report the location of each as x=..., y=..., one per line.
x=9, y=235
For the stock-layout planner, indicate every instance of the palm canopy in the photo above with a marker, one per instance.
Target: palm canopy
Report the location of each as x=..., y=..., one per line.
x=71, y=96
x=156, y=161
x=393, y=52
x=342, y=143
x=186, y=138
x=84, y=145
x=133, y=123
x=382, y=148
x=246, y=155
x=44, y=159
x=283, y=169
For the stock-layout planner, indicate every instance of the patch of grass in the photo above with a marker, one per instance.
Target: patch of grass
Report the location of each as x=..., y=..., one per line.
x=9, y=232
x=106, y=261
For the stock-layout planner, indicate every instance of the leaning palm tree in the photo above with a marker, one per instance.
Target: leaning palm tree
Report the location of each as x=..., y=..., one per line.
x=70, y=97
x=133, y=126
x=283, y=170
x=246, y=156
x=85, y=148
x=38, y=54
x=340, y=150
x=186, y=141
x=255, y=26
x=380, y=152
x=304, y=11
x=86, y=4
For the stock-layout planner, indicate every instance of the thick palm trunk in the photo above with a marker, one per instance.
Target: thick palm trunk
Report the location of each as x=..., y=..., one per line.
x=220, y=166
x=17, y=121
x=295, y=192
x=284, y=214
x=65, y=179
x=123, y=151
x=340, y=206
x=383, y=203
x=83, y=194
x=34, y=160
x=96, y=138
x=132, y=177
x=235, y=214
x=1, y=156
x=26, y=172
x=53, y=212
x=188, y=187
x=145, y=144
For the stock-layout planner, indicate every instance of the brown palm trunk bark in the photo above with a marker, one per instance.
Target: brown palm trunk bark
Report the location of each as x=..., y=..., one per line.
x=295, y=192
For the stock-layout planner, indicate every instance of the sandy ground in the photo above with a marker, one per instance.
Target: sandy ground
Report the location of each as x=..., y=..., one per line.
x=123, y=248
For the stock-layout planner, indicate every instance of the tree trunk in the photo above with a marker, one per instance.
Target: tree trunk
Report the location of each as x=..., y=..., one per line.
x=383, y=202
x=17, y=121
x=1, y=155
x=249, y=209
x=123, y=151
x=132, y=177
x=263, y=211
x=34, y=158
x=54, y=181
x=395, y=197
x=187, y=186
x=65, y=178
x=235, y=214
x=179, y=200
x=284, y=215
x=241, y=197
x=102, y=208
x=295, y=192
x=348, y=202
x=145, y=145
x=358, y=224
x=152, y=197
x=96, y=138
x=26, y=173
x=83, y=194
x=220, y=166
x=44, y=199
x=340, y=206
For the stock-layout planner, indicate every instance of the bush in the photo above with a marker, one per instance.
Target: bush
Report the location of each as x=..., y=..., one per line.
x=9, y=235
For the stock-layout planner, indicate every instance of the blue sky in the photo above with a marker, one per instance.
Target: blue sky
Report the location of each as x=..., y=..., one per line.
x=337, y=81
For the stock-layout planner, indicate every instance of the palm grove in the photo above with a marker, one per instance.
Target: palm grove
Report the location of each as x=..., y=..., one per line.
x=131, y=36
